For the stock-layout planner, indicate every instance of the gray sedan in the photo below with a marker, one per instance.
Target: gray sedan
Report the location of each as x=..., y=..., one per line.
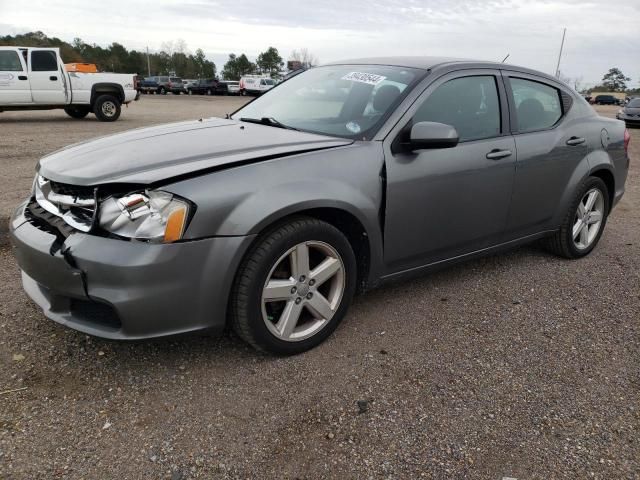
x=339, y=179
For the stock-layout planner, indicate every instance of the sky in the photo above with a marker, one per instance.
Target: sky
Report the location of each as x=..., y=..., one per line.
x=599, y=34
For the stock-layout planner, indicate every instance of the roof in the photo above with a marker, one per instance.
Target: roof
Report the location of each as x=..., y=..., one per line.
x=409, y=62
x=430, y=63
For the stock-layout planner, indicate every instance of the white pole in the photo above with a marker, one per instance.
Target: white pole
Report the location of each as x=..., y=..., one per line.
x=148, y=63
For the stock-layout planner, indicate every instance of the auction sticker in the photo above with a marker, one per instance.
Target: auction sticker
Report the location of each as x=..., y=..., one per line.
x=368, y=78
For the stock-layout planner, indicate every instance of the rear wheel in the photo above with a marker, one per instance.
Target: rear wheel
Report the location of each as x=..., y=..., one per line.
x=584, y=222
x=77, y=112
x=107, y=108
x=162, y=91
x=294, y=287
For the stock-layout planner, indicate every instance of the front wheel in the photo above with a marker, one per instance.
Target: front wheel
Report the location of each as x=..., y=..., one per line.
x=77, y=112
x=293, y=287
x=107, y=108
x=584, y=222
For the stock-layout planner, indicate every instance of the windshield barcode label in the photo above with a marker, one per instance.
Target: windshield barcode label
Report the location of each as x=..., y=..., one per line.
x=368, y=78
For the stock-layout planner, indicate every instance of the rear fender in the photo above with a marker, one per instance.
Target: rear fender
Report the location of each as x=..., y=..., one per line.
x=114, y=89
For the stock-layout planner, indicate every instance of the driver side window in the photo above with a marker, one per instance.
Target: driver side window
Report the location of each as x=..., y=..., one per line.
x=470, y=104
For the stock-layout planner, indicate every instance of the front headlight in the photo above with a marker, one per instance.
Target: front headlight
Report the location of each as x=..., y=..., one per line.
x=152, y=215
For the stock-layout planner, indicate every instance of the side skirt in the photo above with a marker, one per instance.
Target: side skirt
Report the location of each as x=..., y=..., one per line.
x=441, y=264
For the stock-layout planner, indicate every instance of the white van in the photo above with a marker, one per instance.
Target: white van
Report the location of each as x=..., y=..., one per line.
x=255, y=84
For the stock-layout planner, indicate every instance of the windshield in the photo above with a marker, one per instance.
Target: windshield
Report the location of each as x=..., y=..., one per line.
x=635, y=103
x=348, y=101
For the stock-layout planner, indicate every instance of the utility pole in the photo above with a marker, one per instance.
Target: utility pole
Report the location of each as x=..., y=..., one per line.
x=148, y=63
x=564, y=32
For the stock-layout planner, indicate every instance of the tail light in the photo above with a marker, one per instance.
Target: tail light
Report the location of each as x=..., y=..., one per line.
x=627, y=139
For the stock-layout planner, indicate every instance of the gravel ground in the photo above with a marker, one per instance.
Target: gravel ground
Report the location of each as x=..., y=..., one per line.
x=517, y=365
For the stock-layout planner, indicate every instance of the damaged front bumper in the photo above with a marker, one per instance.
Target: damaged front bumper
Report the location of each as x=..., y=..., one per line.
x=126, y=289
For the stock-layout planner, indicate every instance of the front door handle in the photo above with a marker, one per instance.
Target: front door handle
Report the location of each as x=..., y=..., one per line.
x=53, y=78
x=22, y=77
x=497, y=154
x=575, y=141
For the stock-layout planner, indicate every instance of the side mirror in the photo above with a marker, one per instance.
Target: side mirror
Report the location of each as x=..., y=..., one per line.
x=432, y=135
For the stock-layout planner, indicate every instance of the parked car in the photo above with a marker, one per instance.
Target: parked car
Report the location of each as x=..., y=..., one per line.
x=271, y=219
x=188, y=83
x=606, y=100
x=630, y=113
x=230, y=87
x=148, y=85
x=36, y=79
x=205, y=86
x=255, y=85
x=176, y=86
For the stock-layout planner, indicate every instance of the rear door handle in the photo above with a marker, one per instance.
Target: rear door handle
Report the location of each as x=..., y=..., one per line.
x=22, y=77
x=497, y=154
x=575, y=141
x=53, y=78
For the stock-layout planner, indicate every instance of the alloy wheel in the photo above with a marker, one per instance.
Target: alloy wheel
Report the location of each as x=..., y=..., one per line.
x=588, y=219
x=303, y=291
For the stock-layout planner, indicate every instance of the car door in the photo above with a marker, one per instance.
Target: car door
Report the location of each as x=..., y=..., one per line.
x=446, y=202
x=550, y=144
x=14, y=81
x=48, y=81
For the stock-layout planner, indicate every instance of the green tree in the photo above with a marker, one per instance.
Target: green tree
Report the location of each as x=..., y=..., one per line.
x=270, y=62
x=236, y=67
x=615, y=80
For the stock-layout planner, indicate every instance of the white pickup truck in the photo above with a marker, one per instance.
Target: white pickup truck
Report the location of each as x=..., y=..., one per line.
x=36, y=79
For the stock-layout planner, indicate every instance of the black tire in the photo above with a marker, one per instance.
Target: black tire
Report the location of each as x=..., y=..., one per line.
x=77, y=112
x=246, y=297
x=561, y=242
x=162, y=91
x=107, y=108
x=208, y=91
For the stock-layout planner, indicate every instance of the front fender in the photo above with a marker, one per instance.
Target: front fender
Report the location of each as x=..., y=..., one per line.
x=244, y=200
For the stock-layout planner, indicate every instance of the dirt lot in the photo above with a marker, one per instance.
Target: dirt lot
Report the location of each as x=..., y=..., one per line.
x=518, y=365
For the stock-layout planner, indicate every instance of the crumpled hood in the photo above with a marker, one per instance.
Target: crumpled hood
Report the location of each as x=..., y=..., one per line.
x=149, y=155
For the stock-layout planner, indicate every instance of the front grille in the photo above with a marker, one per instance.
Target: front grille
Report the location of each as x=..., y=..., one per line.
x=76, y=206
x=46, y=221
x=72, y=190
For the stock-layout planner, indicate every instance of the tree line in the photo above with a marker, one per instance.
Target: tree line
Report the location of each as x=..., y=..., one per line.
x=173, y=57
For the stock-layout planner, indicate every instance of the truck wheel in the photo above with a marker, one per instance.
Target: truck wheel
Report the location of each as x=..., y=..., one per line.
x=162, y=91
x=77, y=112
x=107, y=108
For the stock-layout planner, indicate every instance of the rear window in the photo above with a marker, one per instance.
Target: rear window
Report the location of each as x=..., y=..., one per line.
x=44, y=61
x=175, y=79
x=538, y=106
x=10, y=62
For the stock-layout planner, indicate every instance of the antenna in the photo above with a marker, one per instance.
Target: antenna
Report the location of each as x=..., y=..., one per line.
x=503, y=60
x=564, y=32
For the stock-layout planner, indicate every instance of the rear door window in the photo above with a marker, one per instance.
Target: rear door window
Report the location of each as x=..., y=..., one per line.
x=538, y=106
x=10, y=61
x=44, y=61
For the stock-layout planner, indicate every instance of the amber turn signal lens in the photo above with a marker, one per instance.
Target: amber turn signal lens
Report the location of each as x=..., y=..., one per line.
x=175, y=225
